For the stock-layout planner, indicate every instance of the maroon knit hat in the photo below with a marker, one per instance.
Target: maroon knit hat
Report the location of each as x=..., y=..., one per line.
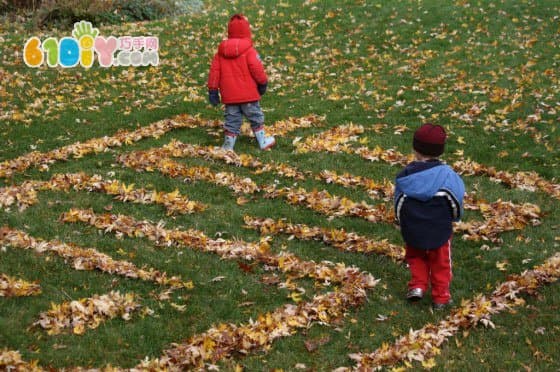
x=239, y=27
x=429, y=140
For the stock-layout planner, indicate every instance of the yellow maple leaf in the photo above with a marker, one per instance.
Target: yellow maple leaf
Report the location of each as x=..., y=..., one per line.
x=112, y=188
x=173, y=195
x=180, y=308
x=208, y=344
x=127, y=189
x=189, y=284
x=242, y=200
x=79, y=329
x=501, y=265
x=503, y=154
x=156, y=197
x=295, y=296
x=429, y=364
x=291, y=59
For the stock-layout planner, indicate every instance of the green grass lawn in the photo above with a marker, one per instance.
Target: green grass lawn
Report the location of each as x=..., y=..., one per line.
x=488, y=71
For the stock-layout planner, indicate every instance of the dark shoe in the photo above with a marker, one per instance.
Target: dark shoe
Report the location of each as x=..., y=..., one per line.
x=442, y=306
x=415, y=294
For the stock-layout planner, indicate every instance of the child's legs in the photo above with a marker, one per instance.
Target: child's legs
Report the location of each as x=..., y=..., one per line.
x=440, y=267
x=233, y=119
x=418, y=265
x=254, y=114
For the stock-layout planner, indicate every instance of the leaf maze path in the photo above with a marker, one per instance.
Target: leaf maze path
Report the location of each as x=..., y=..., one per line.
x=222, y=341
x=25, y=195
x=498, y=216
x=225, y=339
x=10, y=286
x=88, y=258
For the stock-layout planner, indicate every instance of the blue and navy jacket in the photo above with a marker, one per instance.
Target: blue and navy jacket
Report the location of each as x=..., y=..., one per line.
x=428, y=198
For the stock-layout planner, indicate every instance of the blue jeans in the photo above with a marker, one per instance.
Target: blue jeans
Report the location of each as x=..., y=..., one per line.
x=233, y=115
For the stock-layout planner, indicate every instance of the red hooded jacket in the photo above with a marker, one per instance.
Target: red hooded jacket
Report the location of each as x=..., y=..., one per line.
x=236, y=68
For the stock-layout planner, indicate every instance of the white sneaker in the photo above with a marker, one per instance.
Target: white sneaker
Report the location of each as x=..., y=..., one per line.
x=415, y=294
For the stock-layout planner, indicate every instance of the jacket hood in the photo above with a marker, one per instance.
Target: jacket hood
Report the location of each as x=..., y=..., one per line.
x=425, y=184
x=233, y=48
x=239, y=27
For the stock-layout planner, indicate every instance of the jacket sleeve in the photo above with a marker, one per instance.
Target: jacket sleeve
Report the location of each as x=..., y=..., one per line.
x=453, y=190
x=458, y=192
x=398, y=201
x=454, y=203
x=256, y=67
x=214, y=75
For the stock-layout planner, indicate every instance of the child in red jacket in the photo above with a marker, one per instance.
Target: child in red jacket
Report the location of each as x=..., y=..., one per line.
x=238, y=75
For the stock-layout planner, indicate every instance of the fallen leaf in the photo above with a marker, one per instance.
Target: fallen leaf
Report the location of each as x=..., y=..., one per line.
x=540, y=330
x=246, y=268
x=242, y=200
x=180, y=308
x=246, y=304
x=314, y=344
x=502, y=265
x=429, y=364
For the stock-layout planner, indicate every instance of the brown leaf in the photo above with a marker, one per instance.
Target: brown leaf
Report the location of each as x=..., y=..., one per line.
x=314, y=344
x=270, y=279
x=246, y=304
x=245, y=267
x=242, y=200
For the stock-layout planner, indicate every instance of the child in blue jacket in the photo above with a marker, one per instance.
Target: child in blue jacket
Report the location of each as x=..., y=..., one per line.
x=428, y=198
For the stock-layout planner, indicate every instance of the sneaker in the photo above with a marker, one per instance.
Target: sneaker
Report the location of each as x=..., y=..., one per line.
x=415, y=294
x=442, y=306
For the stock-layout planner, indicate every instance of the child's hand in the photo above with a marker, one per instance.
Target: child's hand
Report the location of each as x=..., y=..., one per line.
x=262, y=88
x=214, y=97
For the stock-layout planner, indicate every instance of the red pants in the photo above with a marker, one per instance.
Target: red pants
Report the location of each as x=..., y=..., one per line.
x=431, y=267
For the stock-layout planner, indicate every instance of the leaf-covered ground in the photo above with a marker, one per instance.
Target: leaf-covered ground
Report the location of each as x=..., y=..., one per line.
x=128, y=239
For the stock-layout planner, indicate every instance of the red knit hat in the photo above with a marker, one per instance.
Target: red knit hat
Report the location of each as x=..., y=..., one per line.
x=239, y=27
x=429, y=140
